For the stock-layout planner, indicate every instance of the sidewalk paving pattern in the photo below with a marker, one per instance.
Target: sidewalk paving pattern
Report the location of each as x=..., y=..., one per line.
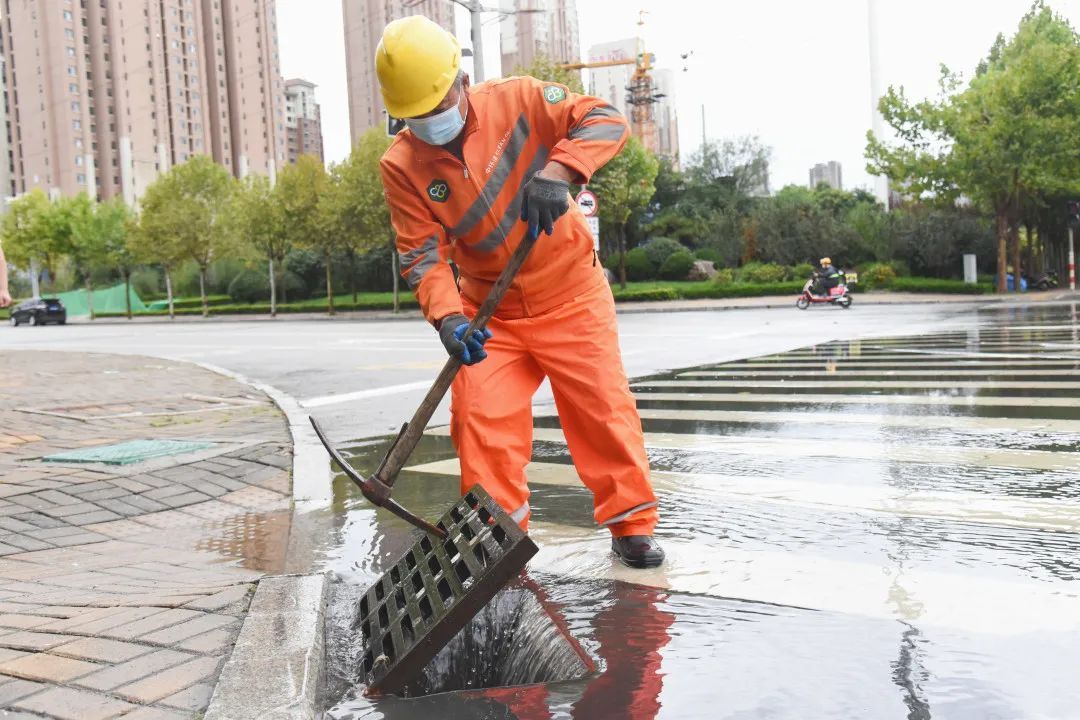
x=122, y=587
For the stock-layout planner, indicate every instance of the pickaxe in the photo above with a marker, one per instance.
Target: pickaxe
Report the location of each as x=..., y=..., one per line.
x=378, y=487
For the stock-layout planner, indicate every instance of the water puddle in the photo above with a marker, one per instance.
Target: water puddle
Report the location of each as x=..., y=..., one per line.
x=837, y=548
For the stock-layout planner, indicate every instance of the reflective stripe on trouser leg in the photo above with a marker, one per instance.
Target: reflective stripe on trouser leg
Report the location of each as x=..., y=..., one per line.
x=626, y=515
x=491, y=418
x=577, y=345
x=520, y=514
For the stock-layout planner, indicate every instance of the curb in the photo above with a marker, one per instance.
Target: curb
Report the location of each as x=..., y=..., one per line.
x=626, y=308
x=311, y=464
x=276, y=667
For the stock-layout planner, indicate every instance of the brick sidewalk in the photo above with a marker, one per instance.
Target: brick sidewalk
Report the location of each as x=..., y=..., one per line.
x=122, y=588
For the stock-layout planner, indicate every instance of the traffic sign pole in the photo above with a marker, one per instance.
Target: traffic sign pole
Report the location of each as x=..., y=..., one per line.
x=1072, y=261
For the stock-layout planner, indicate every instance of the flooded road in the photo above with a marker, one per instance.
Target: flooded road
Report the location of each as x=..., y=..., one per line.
x=884, y=528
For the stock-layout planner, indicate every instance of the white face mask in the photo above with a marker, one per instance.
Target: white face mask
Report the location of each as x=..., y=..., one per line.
x=441, y=128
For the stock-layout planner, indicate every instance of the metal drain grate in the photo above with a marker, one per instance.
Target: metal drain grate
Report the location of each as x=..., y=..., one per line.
x=127, y=453
x=413, y=610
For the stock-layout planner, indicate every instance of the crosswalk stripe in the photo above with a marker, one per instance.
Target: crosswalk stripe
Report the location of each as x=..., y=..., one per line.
x=1045, y=425
x=888, y=590
x=1028, y=513
x=811, y=399
x=882, y=373
x=794, y=447
x=880, y=384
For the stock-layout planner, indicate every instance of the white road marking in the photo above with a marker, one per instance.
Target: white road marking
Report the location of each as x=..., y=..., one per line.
x=879, y=384
x=1028, y=513
x=839, y=373
x=324, y=400
x=811, y=399
x=952, y=422
x=772, y=447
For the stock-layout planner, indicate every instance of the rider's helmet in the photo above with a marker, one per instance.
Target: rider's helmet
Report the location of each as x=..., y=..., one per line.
x=826, y=261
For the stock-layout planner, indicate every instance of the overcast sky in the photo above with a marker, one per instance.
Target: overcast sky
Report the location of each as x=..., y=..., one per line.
x=794, y=72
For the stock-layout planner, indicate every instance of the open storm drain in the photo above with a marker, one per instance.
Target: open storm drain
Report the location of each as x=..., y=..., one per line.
x=427, y=605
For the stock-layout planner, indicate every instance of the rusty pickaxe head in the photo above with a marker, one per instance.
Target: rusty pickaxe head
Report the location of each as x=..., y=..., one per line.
x=374, y=489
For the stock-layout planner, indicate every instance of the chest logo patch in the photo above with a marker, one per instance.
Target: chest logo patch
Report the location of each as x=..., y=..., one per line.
x=554, y=94
x=438, y=191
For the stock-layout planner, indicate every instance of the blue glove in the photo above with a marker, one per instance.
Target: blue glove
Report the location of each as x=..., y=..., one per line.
x=468, y=350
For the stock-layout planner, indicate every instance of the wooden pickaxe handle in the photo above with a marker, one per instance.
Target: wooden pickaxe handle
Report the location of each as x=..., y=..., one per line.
x=400, y=451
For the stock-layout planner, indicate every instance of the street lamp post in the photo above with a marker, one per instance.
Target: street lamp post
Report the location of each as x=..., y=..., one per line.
x=476, y=26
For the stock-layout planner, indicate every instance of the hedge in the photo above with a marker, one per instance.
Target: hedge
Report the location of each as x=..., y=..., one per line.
x=937, y=285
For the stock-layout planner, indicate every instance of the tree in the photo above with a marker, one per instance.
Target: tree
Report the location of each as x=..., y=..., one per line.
x=186, y=209
x=258, y=221
x=355, y=203
x=28, y=233
x=97, y=234
x=546, y=69
x=1004, y=140
x=301, y=189
x=623, y=186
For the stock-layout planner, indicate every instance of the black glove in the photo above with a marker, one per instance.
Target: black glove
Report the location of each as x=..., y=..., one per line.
x=468, y=350
x=545, y=201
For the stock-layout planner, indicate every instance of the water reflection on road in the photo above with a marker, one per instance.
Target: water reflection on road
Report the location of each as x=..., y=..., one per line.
x=879, y=529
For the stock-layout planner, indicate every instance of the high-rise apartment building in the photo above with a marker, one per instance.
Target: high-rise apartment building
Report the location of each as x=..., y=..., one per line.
x=828, y=173
x=539, y=27
x=6, y=188
x=364, y=21
x=667, y=121
x=303, y=123
x=104, y=95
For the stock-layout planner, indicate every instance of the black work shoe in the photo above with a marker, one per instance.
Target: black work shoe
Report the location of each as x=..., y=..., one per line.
x=638, y=551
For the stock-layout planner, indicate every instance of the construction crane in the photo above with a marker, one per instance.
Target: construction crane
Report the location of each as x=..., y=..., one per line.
x=641, y=94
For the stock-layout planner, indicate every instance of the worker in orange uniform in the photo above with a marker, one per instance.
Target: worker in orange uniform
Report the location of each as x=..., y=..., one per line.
x=473, y=163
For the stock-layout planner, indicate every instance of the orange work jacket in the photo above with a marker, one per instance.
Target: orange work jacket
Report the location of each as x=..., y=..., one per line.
x=469, y=212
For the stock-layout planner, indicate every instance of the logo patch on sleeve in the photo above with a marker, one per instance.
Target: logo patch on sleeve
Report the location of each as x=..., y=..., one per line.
x=554, y=94
x=438, y=191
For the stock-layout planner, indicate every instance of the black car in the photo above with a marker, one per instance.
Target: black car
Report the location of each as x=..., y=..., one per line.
x=39, y=311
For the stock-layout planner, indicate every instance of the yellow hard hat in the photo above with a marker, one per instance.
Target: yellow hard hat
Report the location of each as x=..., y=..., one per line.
x=417, y=62
x=826, y=261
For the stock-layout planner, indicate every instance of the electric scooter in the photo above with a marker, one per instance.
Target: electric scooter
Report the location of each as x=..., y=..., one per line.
x=837, y=296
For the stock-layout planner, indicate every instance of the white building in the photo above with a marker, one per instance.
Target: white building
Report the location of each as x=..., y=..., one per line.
x=828, y=173
x=667, y=121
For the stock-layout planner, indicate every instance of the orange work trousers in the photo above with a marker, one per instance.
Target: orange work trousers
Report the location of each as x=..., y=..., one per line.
x=575, y=345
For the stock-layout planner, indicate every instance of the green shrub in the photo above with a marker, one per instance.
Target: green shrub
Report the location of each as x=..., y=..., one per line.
x=677, y=266
x=877, y=276
x=900, y=268
x=755, y=272
x=250, y=286
x=291, y=287
x=146, y=283
x=645, y=294
x=638, y=266
x=724, y=276
x=711, y=254
x=937, y=285
x=660, y=249
x=802, y=271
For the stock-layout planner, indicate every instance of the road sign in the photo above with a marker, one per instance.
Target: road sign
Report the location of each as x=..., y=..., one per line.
x=586, y=200
x=594, y=227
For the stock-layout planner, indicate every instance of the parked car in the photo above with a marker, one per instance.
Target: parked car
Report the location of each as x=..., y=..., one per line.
x=39, y=311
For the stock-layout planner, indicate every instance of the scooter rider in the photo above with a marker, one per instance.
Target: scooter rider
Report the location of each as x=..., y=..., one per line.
x=828, y=276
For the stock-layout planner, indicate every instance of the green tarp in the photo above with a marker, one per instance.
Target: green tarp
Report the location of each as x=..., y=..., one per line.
x=106, y=300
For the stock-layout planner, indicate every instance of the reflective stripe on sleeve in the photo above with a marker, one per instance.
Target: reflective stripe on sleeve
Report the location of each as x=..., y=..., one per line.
x=600, y=131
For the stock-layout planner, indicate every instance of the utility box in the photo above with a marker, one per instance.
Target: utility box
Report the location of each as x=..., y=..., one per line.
x=970, y=271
